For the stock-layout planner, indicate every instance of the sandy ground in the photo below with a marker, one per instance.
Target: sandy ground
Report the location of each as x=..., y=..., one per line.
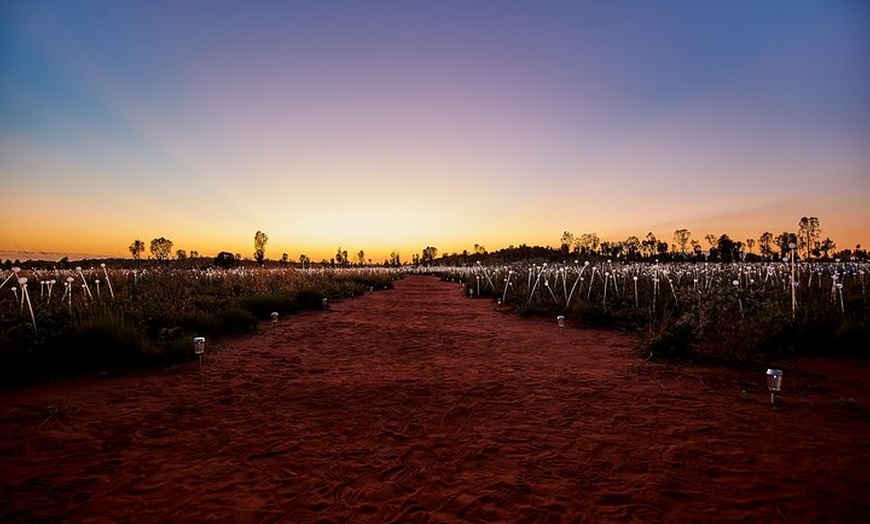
x=421, y=405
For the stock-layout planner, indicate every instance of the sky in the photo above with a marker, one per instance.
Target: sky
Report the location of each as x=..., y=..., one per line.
x=391, y=125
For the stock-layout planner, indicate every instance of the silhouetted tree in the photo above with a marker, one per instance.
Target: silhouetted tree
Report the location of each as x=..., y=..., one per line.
x=161, y=248
x=726, y=248
x=681, y=240
x=429, y=254
x=225, y=260
x=260, y=241
x=784, y=241
x=649, y=244
x=632, y=244
x=566, y=242
x=711, y=239
x=136, y=249
x=827, y=246
x=662, y=249
x=340, y=257
x=765, y=245
x=181, y=254
x=808, y=234
x=587, y=243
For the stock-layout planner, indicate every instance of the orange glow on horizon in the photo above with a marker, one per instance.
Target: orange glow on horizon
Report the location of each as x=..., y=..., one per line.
x=67, y=241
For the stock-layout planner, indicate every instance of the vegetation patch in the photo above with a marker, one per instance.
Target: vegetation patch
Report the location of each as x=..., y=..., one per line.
x=150, y=316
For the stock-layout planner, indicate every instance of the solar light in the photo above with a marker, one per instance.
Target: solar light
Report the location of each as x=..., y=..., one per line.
x=199, y=347
x=274, y=317
x=774, y=384
x=561, y=321
x=325, y=303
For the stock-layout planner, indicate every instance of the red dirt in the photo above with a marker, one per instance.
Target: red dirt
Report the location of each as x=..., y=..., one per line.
x=421, y=405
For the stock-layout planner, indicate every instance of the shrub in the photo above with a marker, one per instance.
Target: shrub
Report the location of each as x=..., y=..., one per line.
x=103, y=340
x=225, y=260
x=236, y=321
x=262, y=307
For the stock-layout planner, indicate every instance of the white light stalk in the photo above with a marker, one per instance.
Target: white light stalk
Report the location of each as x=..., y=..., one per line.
x=84, y=282
x=108, y=281
x=26, y=296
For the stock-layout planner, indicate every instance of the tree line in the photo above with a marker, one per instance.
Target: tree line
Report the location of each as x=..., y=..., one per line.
x=161, y=251
x=806, y=243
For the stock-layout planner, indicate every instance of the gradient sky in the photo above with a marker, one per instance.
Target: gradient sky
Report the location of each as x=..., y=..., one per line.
x=395, y=125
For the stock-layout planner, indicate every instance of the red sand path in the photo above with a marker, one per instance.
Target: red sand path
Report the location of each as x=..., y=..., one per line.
x=421, y=405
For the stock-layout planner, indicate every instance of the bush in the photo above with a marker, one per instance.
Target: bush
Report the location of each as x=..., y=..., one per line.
x=262, y=307
x=100, y=341
x=852, y=337
x=156, y=312
x=225, y=260
x=671, y=343
x=309, y=299
x=236, y=321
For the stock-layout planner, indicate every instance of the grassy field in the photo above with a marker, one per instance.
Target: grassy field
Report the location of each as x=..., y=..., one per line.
x=78, y=319
x=84, y=318
x=735, y=312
